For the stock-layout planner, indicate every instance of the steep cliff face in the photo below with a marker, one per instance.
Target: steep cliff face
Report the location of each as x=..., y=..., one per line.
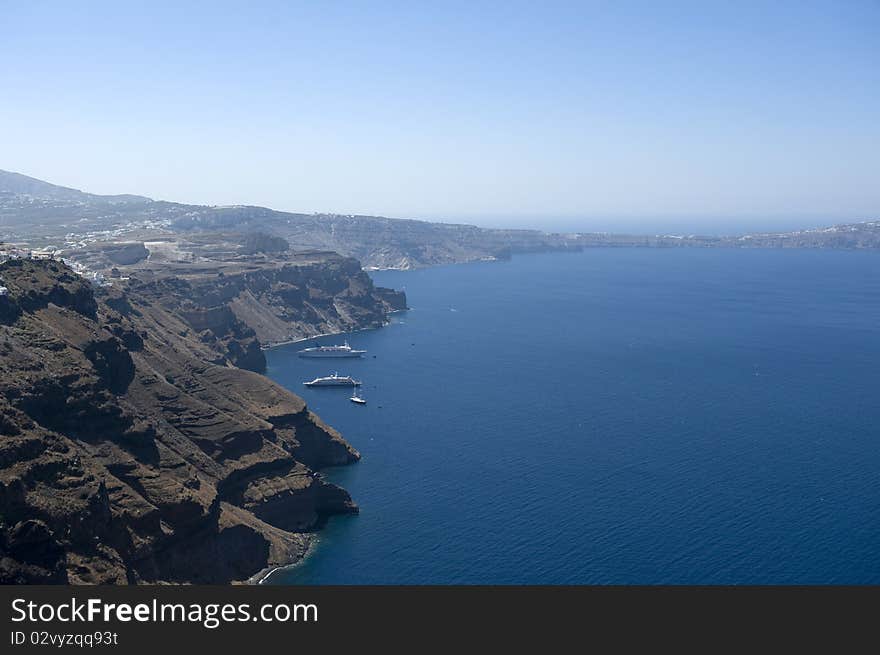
x=269, y=300
x=301, y=299
x=132, y=449
x=204, y=318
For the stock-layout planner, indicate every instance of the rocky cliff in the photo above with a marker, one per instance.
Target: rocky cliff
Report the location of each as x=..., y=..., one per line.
x=242, y=303
x=133, y=449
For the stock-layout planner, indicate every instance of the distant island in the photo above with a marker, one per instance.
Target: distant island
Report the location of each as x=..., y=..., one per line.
x=41, y=215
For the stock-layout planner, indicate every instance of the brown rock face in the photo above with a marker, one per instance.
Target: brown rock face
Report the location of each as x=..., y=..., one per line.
x=132, y=449
x=285, y=297
x=240, y=304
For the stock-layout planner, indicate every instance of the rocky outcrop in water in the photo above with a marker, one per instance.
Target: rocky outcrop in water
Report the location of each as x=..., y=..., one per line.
x=133, y=449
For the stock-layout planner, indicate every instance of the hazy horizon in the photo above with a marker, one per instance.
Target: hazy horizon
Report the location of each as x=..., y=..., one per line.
x=569, y=116
x=679, y=225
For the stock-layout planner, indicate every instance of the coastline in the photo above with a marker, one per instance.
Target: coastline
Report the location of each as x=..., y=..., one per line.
x=287, y=342
x=261, y=576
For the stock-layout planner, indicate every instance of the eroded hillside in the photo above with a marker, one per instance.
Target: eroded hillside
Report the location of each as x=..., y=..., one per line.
x=134, y=449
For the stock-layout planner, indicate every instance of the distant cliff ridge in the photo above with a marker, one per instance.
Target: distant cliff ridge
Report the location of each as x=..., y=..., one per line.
x=39, y=213
x=133, y=445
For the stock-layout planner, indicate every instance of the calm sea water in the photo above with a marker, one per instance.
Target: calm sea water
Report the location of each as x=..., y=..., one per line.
x=613, y=416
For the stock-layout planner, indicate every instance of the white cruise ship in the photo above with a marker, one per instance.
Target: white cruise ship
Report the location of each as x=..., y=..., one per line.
x=331, y=351
x=334, y=380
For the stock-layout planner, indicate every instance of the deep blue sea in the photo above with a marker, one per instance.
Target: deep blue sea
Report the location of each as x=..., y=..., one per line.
x=614, y=416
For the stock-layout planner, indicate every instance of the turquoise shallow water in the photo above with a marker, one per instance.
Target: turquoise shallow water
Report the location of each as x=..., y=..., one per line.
x=613, y=416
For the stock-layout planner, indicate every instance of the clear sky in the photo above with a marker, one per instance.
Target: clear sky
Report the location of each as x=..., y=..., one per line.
x=542, y=113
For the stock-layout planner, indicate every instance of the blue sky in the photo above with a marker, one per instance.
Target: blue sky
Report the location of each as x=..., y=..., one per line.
x=607, y=114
